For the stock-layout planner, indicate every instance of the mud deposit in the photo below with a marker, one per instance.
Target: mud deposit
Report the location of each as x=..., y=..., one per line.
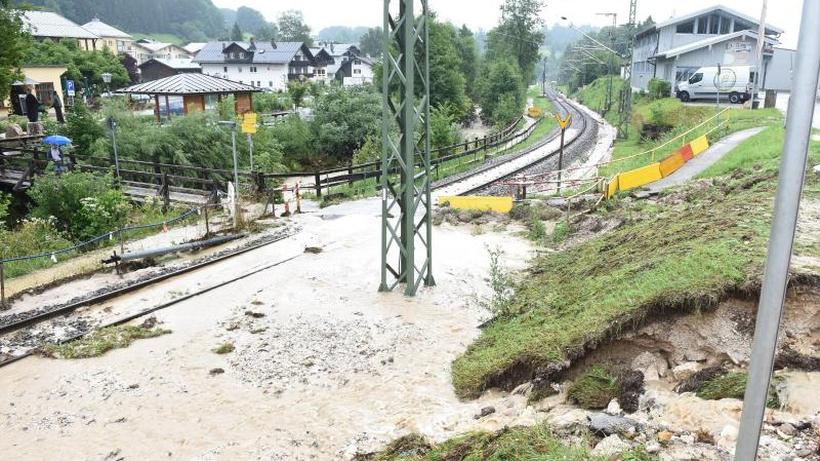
x=324, y=366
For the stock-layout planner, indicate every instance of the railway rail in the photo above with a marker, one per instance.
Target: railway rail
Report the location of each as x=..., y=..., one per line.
x=25, y=321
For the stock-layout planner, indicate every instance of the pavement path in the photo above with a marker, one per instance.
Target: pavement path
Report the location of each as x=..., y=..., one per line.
x=703, y=161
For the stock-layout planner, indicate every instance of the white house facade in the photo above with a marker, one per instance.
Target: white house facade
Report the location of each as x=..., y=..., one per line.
x=267, y=65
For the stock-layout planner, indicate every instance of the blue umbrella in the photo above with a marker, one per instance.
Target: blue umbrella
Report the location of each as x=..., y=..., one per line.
x=57, y=140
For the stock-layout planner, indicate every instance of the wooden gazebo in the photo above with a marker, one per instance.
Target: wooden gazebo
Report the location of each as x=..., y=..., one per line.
x=193, y=88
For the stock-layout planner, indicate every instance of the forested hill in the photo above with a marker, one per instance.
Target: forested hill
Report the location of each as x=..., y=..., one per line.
x=194, y=20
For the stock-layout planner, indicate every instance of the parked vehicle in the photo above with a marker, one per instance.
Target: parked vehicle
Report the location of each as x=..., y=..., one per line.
x=706, y=82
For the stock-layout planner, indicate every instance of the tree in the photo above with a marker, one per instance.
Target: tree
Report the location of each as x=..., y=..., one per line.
x=344, y=119
x=292, y=28
x=81, y=64
x=372, y=42
x=447, y=89
x=519, y=34
x=341, y=34
x=236, y=33
x=297, y=91
x=500, y=81
x=249, y=19
x=468, y=51
x=267, y=32
x=15, y=44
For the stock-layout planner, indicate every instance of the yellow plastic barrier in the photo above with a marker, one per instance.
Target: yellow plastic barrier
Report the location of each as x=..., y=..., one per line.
x=700, y=145
x=671, y=164
x=612, y=187
x=534, y=112
x=498, y=204
x=639, y=177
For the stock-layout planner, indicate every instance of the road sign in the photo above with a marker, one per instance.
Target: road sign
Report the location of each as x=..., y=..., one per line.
x=249, y=123
x=69, y=88
x=564, y=123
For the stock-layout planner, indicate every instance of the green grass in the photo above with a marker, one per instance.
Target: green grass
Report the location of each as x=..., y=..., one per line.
x=594, y=389
x=520, y=444
x=101, y=341
x=733, y=386
x=225, y=348
x=670, y=256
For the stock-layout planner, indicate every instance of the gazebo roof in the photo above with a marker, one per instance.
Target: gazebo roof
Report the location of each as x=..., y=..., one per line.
x=191, y=83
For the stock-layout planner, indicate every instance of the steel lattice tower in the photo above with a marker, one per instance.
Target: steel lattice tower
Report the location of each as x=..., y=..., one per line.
x=626, y=92
x=405, y=180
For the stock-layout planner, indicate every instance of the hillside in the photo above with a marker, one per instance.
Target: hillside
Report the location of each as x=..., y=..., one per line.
x=195, y=20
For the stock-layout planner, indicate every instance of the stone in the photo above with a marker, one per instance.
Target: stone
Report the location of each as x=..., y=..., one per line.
x=688, y=439
x=604, y=424
x=564, y=420
x=610, y=446
x=613, y=408
x=664, y=436
x=486, y=411
x=817, y=170
x=216, y=371
x=786, y=431
x=685, y=370
x=653, y=448
x=524, y=389
x=728, y=437
x=653, y=366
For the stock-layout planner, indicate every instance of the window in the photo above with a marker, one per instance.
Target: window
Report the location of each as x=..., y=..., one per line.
x=258, y=83
x=686, y=28
x=357, y=71
x=702, y=23
x=724, y=25
x=270, y=84
x=742, y=25
x=253, y=69
x=714, y=24
x=696, y=78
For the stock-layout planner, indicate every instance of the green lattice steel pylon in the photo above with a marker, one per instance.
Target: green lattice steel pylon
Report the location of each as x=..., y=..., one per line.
x=405, y=181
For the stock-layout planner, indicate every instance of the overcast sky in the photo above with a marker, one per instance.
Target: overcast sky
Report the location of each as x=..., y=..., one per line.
x=484, y=13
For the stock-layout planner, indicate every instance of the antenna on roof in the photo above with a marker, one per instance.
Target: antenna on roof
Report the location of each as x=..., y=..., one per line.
x=273, y=43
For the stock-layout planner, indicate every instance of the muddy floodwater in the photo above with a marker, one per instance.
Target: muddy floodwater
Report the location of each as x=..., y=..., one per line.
x=324, y=366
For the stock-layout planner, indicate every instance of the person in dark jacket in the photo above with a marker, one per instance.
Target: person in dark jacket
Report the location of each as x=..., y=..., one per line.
x=32, y=106
x=57, y=104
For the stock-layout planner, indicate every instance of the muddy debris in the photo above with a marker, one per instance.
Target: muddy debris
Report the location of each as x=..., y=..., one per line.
x=793, y=360
x=631, y=386
x=313, y=250
x=255, y=315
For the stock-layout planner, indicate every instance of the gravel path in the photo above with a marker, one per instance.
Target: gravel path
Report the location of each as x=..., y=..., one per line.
x=703, y=161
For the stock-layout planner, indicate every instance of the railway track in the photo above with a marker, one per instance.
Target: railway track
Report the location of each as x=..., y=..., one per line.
x=483, y=180
x=24, y=321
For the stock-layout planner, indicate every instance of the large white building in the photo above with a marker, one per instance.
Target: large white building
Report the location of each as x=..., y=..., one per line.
x=269, y=65
x=145, y=50
x=672, y=50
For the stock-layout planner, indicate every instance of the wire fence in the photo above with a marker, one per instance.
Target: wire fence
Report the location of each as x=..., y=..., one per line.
x=38, y=270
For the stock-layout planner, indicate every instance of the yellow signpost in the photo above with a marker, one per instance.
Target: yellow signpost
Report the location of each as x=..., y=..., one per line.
x=249, y=123
x=564, y=123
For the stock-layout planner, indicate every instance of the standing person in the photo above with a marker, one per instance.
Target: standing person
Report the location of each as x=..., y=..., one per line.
x=32, y=106
x=57, y=104
x=57, y=157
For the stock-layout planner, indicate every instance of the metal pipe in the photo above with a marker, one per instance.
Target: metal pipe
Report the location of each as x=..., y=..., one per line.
x=784, y=222
x=173, y=249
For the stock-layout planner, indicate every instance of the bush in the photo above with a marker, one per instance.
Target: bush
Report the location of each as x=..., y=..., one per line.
x=34, y=236
x=82, y=127
x=83, y=204
x=5, y=201
x=659, y=89
x=270, y=102
x=594, y=389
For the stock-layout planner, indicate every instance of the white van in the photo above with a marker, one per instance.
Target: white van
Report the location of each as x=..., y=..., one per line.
x=733, y=82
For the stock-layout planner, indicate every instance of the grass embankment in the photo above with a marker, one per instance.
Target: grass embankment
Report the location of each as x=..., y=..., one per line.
x=668, y=257
x=519, y=444
x=676, y=255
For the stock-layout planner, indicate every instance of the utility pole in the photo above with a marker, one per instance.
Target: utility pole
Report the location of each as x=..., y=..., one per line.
x=784, y=222
x=761, y=39
x=544, y=78
x=236, y=207
x=405, y=172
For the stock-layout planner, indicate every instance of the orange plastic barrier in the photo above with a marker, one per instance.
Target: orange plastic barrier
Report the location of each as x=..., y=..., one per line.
x=686, y=152
x=700, y=145
x=671, y=164
x=640, y=177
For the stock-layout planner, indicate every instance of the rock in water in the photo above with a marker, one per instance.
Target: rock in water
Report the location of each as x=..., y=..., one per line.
x=604, y=424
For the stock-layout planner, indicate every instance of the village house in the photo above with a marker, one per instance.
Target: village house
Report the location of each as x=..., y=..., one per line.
x=45, y=25
x=117, y=41
x=155, y=68
x=145, y=50
x=674, y=49
x=268, y=65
